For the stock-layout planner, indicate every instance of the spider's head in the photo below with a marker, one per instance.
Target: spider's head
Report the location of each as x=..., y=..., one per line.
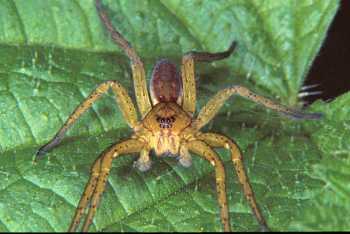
x=166, y=122
x=166, y=84
x=164, y=126
x=167, y=117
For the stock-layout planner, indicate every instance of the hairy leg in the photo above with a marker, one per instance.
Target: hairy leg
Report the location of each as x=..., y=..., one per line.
x=188, y=74
x=143, y=163
x=85, y=198
x=122, y=98
x=203, y=150
x=217, y=140
x=185, y=158
x=98, y=180
x=214, y=104
x=138, y=71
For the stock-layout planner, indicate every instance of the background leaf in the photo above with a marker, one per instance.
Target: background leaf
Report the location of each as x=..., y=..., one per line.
x=328, y=209
x=53, y=53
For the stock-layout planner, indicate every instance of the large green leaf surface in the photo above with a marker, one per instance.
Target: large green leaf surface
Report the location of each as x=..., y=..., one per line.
x=54, y=53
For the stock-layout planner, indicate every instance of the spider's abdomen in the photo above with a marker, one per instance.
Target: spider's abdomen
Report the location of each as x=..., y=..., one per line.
x=166, y=85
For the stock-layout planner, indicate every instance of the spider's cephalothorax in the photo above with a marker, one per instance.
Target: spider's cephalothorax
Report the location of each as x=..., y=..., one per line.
x=168, y=125
x=162, y=128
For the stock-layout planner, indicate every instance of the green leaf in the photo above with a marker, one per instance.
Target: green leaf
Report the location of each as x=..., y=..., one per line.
x=53, y=54
x=329, y=208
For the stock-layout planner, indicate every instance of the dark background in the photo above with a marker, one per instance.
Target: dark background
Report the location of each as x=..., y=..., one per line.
x=331, y=68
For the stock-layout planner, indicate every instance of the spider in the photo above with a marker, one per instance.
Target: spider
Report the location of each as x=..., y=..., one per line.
x=168, y=125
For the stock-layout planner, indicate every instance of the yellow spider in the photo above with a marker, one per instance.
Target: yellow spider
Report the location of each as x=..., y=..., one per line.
x=168, y=125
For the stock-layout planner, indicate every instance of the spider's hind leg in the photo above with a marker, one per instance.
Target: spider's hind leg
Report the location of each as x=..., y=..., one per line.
x=188, y=73
x=211, y=57
x=138, y=71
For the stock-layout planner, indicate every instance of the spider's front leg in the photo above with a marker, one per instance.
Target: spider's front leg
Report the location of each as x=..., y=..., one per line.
x=202, y=149
x=123, y=99
x=98, y=179
x=217, y=140
x=86, y=197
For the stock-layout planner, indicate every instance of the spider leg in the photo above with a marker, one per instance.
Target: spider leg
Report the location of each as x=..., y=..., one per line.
x=217, y=140
x=138, y=71
x=203, y=150
x=123, y=99
x=185, y=158
x=98, y=181
x=143, y=163
x=188, y=73
x=85, y=198
x=214, y=104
